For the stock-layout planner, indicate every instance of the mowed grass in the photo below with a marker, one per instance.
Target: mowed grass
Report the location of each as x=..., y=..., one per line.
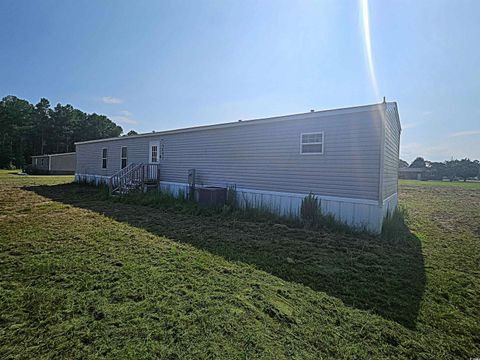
x=85, y=277
x=473, y=185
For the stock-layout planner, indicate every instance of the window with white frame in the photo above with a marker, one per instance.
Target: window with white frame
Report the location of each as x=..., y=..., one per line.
x=104, y=158
x=154, y=153
x=124, y=157
x=311, y=143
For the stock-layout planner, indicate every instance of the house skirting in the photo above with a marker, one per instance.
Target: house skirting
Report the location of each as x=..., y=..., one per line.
x=357, y=213
x=92, y=179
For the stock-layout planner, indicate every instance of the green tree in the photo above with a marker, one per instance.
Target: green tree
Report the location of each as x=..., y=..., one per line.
x=438, y=170
x=16, y=124
x=27, y=130
x=464, y=168
x=43, y=125
x=402, y=163
x=419, y=162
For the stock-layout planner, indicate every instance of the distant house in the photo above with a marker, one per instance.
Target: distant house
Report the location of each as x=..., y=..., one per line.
x=54, y=164
x=347, y=157
x=413, y=173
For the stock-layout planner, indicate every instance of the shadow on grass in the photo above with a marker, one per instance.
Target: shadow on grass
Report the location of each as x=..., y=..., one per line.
x=384, y=275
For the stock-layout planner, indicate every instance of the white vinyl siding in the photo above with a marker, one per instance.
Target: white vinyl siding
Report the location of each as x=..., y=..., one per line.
x=311, y=143
x=391, y=151
x=263, y=155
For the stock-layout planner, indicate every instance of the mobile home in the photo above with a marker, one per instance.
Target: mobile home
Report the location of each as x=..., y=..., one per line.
x=347, y=157
x=54, y=164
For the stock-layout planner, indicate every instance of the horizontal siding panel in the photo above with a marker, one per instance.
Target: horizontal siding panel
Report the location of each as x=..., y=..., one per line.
x=391, y=152
x=263, y=156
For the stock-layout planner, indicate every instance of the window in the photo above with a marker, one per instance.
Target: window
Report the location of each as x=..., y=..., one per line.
x=123, y=157
x=162, y=151
x=41, y=161
x=104, y=158
x=154, y=153
x=311, y=143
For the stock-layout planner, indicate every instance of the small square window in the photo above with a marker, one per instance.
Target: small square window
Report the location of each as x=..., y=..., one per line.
x=311, y=143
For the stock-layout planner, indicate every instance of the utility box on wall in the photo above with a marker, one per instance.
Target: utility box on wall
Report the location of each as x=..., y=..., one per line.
x=211, y=195
x=191, y=178
x=191, y=183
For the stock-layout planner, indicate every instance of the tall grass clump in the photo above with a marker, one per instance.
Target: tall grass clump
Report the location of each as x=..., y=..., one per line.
x=393, y=227
x=103, y=190
x=161, y=200
x=232, y=201
x=246, y=210
x=310, y=210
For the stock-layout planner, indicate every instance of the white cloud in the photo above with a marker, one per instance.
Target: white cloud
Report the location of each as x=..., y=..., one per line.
x=111, y=100
x=126, y=113
x=442, y=149
x=414, y=124
x=410, y=151
x=465, y=133
x=124, y=117
x=410, y=125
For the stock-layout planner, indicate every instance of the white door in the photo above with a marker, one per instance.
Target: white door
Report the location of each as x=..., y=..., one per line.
x=154, y=152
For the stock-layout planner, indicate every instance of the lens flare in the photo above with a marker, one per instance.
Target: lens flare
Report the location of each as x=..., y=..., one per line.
x=368, y=45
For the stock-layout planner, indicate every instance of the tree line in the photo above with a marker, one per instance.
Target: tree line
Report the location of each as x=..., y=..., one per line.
x=452, y=169
x=27, y=129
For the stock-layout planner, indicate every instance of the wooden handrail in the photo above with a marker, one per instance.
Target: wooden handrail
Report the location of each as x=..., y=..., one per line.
x=115, y=178
x=133, y=175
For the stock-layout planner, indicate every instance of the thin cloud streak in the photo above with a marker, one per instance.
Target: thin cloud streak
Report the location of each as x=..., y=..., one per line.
x=124, y=117
x=425, y=115
x=465, y=133
x=111, y=100
x=443, y=149
x=410, y=125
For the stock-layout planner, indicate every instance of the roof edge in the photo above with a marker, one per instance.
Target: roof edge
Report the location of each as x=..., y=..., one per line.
x=328, y=112
x=69, y=153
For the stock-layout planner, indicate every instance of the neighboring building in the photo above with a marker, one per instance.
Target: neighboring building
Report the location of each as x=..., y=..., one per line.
x=347, y=157
x=54, y=164
x=413, y=173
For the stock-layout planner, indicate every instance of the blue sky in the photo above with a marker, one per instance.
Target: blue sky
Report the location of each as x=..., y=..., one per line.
x=152, y=65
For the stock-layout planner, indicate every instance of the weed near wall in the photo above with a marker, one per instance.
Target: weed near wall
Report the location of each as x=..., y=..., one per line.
x=310, y=212
x=394, y=227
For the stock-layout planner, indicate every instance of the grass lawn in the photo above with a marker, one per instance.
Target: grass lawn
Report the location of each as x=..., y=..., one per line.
x=85, y=277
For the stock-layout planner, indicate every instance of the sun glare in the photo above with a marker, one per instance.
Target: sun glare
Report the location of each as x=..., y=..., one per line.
x=368, y=45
